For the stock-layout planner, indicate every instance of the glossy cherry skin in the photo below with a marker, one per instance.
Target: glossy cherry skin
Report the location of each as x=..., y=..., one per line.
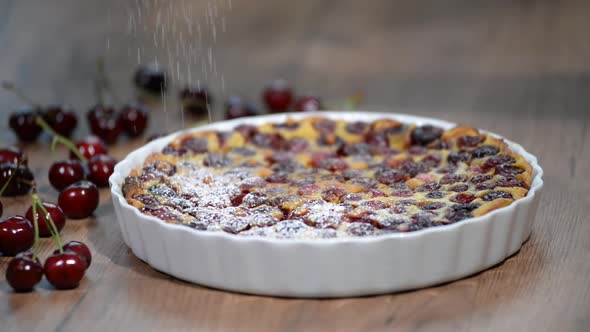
x=101, y=168
x=56, y=214
x=16, y=235
x=79, y=248
x=23, y=272
x=308, y=104
x=196, y=100
x=64, y=271
x=150, y=78
x=235, y=107
x=20, y=183
x=24, y=125
x=13, y=155
x=134, y=119
x=65, y=172
x=79, y=200
x=105, y=123
x=278, y=96
x=90, y=147
x=64, y=122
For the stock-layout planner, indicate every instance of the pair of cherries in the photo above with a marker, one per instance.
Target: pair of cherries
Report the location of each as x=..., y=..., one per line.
x=278, y=96
x=108, y=123
x=23, y=123
x=63, y=269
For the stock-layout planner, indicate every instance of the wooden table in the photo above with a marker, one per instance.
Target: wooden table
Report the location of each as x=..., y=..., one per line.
x=521, y=69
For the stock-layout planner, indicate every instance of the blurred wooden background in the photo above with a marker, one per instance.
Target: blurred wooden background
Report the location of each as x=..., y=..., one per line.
x=518, y=68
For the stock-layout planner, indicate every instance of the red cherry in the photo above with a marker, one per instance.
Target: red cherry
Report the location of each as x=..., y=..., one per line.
x=235, y=107
x=64, y=271
x=56, y=214
x=16, y=235
x=278, y=96
x=24, y=125
x=133, y=119
x=79, y=200
x=105, y=123
x=308, y=104
x=101, y=167
x=65, y=172
x=20, y=183
x=62, y=121
x=80, y=249
x=196, y=100
x=23, y=273
x=89, y=147
x=13, y=155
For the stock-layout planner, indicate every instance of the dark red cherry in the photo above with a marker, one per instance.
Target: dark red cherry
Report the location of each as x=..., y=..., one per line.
x=20, y=183
x=308, y=104
x=235, y=107
x=105, y=123
x=23, y=272
x=16, y=235
x=62, y=121
x=150, y=78
x=56, y=214
x=133, y=119
x=79, y=200
x=24, y=125
x=65, y=172
x=13, y=155
x=101, y=167
x=79, y=248
x=64, y=271
x=425, y=134
x=196, y=100
x=89, y=147
x=278, y=96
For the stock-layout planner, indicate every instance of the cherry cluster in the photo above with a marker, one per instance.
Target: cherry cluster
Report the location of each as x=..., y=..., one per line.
x=278, y=97
x=18, y=234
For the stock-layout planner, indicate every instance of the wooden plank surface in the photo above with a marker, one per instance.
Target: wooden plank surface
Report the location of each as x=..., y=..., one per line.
x=518, y=68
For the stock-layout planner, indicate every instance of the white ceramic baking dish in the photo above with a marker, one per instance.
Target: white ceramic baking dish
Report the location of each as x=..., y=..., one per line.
x=337, y=267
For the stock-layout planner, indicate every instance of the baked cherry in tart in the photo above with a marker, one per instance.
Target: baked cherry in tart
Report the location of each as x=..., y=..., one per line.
x=322, y=178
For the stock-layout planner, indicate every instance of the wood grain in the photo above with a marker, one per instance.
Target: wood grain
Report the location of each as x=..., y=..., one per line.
x=518, y=68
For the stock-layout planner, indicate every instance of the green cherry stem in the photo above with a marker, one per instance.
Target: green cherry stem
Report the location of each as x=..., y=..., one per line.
x=49, y=221
x=57, y=138
x=9, y=86
x=36, y=228
x=9, y=179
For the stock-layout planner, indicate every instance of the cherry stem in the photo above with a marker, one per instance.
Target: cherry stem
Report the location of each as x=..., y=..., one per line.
x=36, y=227
x=9, y=179
x=49, y=221
x=9, y=86
x=57, y=138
